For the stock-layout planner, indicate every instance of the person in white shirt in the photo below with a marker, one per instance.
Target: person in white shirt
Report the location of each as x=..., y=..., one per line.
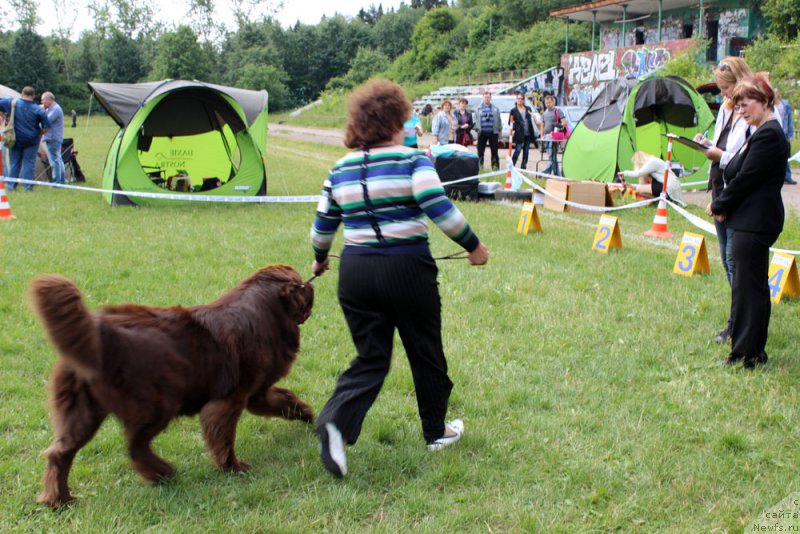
x=650, y=172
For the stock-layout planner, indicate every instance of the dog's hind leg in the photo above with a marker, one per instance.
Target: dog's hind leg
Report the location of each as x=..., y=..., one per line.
x=76, y=417
x=145, y=461
x=219, y=419
x=280, y=402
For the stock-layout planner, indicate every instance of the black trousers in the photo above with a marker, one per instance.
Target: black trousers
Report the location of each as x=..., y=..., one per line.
x=492, y=138
x=379, y=294
x=750, y=304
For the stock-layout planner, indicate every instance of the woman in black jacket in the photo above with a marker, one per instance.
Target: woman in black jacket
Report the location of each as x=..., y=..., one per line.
x=465, y=123
x=752, y=206
x=521, y=121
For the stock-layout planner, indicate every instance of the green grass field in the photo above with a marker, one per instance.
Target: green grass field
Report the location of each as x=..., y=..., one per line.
x=587, y=382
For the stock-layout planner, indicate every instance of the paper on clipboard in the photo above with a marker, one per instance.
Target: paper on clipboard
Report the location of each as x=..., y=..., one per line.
x=691, y=143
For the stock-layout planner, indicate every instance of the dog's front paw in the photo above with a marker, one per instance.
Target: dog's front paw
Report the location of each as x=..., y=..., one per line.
x=301, y=411
x=237, y=466
x=53, y=500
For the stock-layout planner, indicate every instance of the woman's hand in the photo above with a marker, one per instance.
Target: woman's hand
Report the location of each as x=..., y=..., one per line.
x=713, y=153
x=479, y=256
x=717, y=217
x=319, y=268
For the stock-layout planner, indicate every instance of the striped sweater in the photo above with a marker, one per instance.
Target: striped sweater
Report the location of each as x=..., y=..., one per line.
x=402, y=188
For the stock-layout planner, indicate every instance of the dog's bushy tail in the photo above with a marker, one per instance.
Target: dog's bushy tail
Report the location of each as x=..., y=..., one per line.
x=67, y=320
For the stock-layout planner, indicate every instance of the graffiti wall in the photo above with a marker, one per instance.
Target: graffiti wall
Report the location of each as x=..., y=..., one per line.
x=586, y=73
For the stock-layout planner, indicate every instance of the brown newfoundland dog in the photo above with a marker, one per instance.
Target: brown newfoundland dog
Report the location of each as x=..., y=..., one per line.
x=147, y=365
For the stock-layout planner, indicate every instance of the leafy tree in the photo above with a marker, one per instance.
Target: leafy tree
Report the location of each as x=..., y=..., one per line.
x=691, y=65
x=430, y=51
x=26, y=14
x=782, y=60
x=485, y=27
x=783, y=17
x=122, y=60
x=29, y=62
x=268, y=77
x=393, y=31
x=180, y=56
x=427, y=5
x=370, y=16
x=367, y=63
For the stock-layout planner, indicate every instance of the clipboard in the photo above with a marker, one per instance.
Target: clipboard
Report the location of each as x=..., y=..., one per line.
x=691, y=143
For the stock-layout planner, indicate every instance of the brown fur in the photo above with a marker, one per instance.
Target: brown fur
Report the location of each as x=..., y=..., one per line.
x=147, y=365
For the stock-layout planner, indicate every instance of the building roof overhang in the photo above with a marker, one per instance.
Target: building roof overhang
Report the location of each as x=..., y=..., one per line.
x=612, y=10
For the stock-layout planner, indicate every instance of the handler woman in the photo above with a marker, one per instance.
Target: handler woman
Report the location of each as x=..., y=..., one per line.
x=729, y=134
x=752, y=206
x=382, y=192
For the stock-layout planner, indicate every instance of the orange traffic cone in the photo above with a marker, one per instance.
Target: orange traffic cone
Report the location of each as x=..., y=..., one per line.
x=659, y=228
x=5, y=207
x=509, y=184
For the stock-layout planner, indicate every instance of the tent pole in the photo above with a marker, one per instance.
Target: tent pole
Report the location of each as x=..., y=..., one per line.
x=566, y=39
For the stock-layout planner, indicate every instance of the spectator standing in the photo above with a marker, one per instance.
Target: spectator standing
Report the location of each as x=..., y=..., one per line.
x=74, y=116
x=464, y=123
x=551, y=117
x=489, y=125
x=522, y=119
x=444, y=124
x=752, y=205
x=387, y=276
x=412, y=129
x=730, y=133
x=54, y=137
x=783, y=110
x=30, y=122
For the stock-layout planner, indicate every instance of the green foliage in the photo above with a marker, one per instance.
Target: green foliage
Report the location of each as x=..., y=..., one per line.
x=782, y=60
x=539, y=47
x=393, y=31
x=783, y=18
x=122, y=60
x=367, y=63
x=30, y=63
x=484, y=28
x=429, y=43
x=690, y=65
x=180, y=57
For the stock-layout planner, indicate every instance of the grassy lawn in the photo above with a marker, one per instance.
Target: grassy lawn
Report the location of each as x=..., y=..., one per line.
x=587, y=382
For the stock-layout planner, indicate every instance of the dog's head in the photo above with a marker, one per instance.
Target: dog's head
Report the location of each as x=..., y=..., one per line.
x=297, y=297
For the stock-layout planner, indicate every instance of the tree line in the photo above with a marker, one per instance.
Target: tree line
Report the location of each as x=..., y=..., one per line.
x=128, y=43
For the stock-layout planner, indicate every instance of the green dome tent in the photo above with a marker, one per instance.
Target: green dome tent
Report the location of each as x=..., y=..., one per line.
x=206, y=138
x=630, y=115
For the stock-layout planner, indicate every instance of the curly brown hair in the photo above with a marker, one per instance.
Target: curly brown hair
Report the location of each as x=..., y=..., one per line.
x=376, y=111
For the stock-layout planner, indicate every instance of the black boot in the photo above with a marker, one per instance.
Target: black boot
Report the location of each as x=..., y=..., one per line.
x=732, y=359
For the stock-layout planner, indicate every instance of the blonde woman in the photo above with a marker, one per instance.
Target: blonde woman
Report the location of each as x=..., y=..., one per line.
x=650, y=172
x=729, y=136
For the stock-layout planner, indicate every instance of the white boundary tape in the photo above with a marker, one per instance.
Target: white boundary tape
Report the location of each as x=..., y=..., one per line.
x=173, y=196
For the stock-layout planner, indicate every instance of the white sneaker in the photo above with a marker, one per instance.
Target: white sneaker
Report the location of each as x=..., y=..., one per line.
x=332, y=450
x=457, y=427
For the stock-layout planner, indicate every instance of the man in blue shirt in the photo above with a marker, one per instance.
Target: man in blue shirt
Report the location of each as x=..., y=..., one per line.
x=54, y=137
x=487, y=122
x=30, y=122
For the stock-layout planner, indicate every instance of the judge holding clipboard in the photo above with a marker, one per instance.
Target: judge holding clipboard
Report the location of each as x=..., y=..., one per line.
x=729, y=136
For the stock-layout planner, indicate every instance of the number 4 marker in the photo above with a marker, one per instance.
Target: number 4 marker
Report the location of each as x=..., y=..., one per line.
x=783, y=278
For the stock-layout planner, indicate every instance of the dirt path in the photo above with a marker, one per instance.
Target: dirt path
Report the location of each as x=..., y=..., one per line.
x=333, y=136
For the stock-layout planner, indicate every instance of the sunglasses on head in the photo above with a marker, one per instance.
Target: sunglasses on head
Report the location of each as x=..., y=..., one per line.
x=723, y=66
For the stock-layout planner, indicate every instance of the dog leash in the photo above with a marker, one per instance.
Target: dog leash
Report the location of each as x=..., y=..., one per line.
x=460, y=255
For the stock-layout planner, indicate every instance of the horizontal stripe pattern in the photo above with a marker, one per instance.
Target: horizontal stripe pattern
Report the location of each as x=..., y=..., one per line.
x=403, y=189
